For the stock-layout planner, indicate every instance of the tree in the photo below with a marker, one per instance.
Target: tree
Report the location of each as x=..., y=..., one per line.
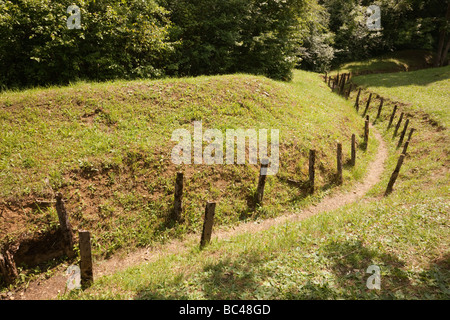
x=117, y=39
x=316, y=41
x=444, y=40
x=406, y=24
x=251, y=36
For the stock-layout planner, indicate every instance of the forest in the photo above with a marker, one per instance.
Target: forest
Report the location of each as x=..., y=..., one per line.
x=132, y=39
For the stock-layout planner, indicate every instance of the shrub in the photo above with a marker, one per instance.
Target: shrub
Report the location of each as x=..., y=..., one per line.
x=251, y=36
x=117, y=39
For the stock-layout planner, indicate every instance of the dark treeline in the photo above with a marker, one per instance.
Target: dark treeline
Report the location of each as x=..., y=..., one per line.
x=131, y=39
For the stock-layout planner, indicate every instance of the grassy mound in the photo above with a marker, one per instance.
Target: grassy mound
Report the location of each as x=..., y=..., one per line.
x=406, y=60
x=327, y=256
x=107, y=148
x=425, y=91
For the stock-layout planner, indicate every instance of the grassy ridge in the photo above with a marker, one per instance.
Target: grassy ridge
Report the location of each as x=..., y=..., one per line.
x=399, y=61
x=107, y=148
x=425, y=90
x=325, y=257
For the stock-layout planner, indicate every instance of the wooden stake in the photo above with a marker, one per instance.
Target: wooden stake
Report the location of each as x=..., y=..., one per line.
x=65, y=226
x=353, y=158
x=366, y=131
x=178, y=197
x=347, y=77
x=394, y=175
x=379, y=108
x=348, y=91
x=261, y=183
x=339, y=163
x=87, y=274
x=405, y=147
x=208, y=224
x=398, y=125
x=357, y=100
x=312, y=173
x=8, y=267
x=392, y=117
x=341, y=87
x=410, y=133
x=368, y=104
x=402, y=135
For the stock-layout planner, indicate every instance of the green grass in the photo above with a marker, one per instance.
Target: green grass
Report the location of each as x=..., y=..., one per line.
x=406, y=60
x=106, y=147
x=325, y=257
x=424, y=90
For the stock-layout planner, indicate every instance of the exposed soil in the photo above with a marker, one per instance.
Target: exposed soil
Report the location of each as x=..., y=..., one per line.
x=44, y=289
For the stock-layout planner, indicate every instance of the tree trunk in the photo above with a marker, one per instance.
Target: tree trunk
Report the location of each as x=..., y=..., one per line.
x=444, y=60
x=443, y=48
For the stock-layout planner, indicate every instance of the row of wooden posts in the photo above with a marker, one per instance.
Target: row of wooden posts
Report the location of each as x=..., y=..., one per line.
x=84, y=237
x=339, y=81
x=84, y=243
x=8, y=267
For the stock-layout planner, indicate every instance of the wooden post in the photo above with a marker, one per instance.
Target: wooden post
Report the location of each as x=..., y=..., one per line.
x=208, y=224
x=326, y=74
x=366, y=131
x=402, y=135
x=405, y=147
x=394, y=175
x=392, y=117
x=368, y=104
x=312, y=172
x=357, y=100
x=379, y=109
x=347, y=95
x=87, y=274
x=261, y=183
x=178, y=197
x=410, y=133
x=65, y=226
x=329, y=83
x=353, y=152
x=346, y=78
x=341, y=87
x=398, y=125
x=8, y=267
x=339, y=163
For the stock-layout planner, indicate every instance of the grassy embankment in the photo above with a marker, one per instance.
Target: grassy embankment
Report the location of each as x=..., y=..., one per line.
x=107, y=148
x=399, y=61
x=406, y=234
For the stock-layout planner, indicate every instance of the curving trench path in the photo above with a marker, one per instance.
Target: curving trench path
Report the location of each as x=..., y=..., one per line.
x=45, y=289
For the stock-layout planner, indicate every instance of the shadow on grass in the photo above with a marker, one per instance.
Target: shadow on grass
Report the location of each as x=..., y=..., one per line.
x=252, y=276
x=224, y=279
x=401, y=79
x=400, y=61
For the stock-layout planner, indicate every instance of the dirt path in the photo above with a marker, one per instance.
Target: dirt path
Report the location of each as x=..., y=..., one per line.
x=45, y=289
